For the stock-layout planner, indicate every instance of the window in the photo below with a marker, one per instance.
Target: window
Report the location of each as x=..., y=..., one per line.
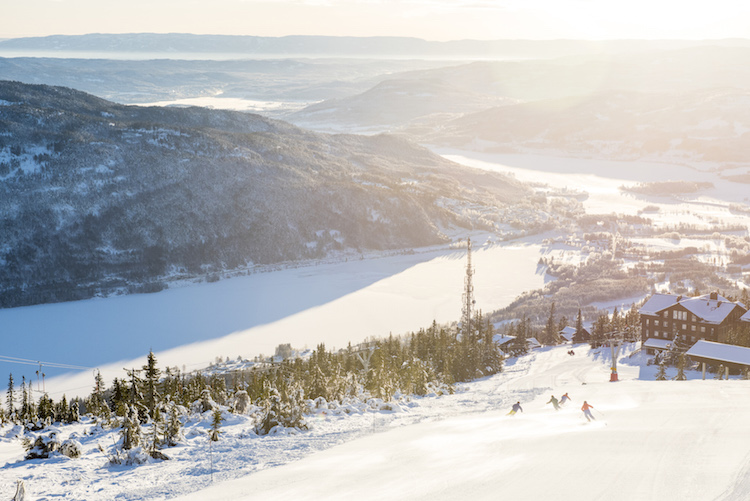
x=656, y=323
x=684, y=327
x=703, y=328
x=648, y=321
x=674, y=314
x=693, y=319
x=692, y=328
x=666, y=314
x=692, y=339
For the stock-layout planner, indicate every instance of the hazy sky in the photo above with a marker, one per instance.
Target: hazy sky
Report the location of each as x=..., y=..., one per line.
x=428, y=19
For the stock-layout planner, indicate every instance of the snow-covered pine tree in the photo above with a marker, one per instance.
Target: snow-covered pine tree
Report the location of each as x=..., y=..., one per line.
x=241, y=402
x=10, y=398
x=131, y=429
x=62, y=411
x=681, y=362
x=216, y=425
x=151, y=395
x=46, y=409
x=74, y=415
x=661, y=374
x=173, y=429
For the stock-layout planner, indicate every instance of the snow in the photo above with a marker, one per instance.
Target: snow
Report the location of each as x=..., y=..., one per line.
x=709, y=310
x=651, y=440
x=721, y=352
x=657, y=303
x=659, y=344
x=334, y=303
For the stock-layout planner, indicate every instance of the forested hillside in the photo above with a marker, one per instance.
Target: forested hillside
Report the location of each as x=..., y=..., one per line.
x=98, y=198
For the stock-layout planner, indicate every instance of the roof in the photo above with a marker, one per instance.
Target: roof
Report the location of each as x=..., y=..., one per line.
x=657, y=303
x=501, y=340
x=720, y=352
x=709, y=308
x=568, y=333
x=533, y=343
x=746, y=317
x=659, y=344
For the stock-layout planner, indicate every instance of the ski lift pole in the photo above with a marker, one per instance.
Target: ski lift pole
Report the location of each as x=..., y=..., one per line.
x=614, y=346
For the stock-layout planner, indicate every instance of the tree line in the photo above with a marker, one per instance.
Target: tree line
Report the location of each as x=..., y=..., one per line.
x=277, y=393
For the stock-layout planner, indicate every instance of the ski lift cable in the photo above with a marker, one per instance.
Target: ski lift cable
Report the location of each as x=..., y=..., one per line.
x=54, y=365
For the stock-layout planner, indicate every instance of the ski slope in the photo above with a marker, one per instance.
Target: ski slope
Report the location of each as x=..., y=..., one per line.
x=651, y=440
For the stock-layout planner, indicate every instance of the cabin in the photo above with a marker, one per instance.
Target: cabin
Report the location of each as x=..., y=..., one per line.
x=686, y=320
x=730, y=357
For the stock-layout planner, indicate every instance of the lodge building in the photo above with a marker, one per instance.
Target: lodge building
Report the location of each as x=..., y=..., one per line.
x=668, y=318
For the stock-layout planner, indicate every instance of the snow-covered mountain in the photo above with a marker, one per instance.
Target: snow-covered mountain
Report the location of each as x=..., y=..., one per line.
x=97, y=197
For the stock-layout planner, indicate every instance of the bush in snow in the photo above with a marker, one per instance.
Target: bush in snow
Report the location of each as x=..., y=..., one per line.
x=42, y=447
x=282, y=409
x=71, y=448
x=240, y=402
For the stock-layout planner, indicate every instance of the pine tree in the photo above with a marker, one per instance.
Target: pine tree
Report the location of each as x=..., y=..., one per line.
x=151, y=382
x=119, y=398
x=11, y=398
x=96, y=404
x=173, y=430
x=131, y=429
x=661, y=374
x=216, y=425
x=578, y=337
x=681, y=368
x=551, y=335
x=74, y=414
x=46, y=409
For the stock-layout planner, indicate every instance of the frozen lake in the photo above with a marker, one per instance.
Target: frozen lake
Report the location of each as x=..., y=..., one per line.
x=333, y=304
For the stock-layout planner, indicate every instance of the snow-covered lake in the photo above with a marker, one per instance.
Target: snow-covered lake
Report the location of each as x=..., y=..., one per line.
x=334, y=304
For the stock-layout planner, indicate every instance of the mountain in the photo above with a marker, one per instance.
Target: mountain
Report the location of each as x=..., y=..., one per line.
x=99, y=198
x=709, y=125
x=395, y=103
x=295, y=82
x=181, y=43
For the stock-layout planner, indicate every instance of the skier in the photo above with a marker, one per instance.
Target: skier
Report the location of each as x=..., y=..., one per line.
x=564, y=399
x=587, y=411
x=553, y=401
x=516, y=408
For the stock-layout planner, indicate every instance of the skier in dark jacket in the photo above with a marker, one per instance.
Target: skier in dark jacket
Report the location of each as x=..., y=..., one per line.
x=516, y=408
x=553, y=401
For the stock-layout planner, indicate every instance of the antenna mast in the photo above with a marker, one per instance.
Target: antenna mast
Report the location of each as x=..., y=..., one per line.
x=468, y=296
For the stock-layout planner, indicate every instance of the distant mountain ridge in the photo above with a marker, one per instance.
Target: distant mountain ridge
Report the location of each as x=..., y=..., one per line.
x=99, y=198
x=330, y=45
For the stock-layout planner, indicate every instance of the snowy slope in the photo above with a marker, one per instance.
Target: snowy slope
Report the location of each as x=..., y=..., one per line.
x=651, y=440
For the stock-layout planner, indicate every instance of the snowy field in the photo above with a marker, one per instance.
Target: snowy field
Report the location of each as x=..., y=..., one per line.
x=650, y=441
x=335, y=304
